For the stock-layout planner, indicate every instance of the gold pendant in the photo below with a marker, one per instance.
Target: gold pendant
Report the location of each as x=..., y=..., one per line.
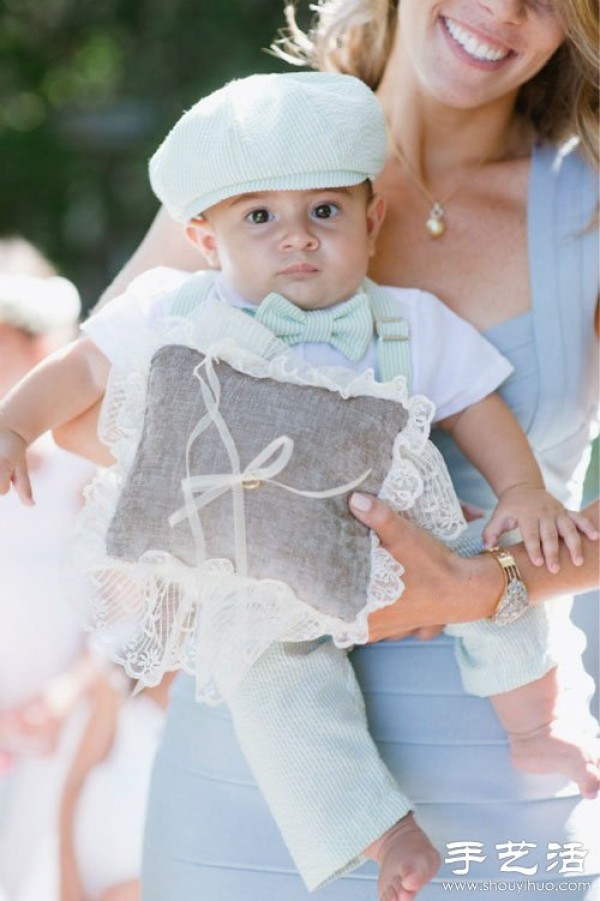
x=436, y=225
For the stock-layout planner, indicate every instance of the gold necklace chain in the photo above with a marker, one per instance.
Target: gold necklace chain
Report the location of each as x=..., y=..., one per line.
x=436, y=223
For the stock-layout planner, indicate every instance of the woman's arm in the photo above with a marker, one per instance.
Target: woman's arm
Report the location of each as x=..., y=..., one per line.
x=446, y=588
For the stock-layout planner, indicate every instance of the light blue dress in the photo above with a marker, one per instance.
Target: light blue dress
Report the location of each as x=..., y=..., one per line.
x=211, y=836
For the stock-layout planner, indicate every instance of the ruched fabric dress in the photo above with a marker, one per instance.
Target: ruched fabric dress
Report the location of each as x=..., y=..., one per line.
x=210, y=834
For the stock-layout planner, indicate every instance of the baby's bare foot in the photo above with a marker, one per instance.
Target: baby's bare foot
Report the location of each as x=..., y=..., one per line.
x=407, y=860
x=551, y=749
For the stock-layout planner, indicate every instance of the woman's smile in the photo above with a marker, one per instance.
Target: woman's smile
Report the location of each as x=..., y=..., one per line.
x=469, y=53
x=468, y=42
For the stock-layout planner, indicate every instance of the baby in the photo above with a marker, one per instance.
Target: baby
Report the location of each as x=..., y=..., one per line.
x=272, y=178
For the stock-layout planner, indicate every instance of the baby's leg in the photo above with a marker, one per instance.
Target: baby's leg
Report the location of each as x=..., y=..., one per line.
x=543, y=737
x=301, y=723
x=406, y=858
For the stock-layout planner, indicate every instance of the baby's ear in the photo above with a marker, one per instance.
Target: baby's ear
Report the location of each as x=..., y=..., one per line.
x=200, y=233
x=375, y=217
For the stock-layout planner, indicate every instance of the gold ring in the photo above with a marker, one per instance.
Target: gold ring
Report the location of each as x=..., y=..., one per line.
x=251, y=484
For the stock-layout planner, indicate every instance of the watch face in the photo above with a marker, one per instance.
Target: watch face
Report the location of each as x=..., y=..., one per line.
x=513, y=604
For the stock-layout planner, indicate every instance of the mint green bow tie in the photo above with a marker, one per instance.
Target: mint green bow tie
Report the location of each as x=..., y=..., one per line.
x=347, y=327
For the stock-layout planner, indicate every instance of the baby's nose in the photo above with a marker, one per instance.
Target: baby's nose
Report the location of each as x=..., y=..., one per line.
x=299, y=237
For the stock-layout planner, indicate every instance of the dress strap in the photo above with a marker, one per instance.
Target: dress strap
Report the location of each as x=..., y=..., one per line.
x=563, y=260
x=393, y=334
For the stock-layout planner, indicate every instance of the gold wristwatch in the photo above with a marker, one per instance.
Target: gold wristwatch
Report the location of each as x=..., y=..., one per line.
x=515, y=597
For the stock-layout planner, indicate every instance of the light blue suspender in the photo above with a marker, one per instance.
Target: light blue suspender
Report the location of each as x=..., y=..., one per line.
x=393, y=335
x=192, y=293
x=391, y=330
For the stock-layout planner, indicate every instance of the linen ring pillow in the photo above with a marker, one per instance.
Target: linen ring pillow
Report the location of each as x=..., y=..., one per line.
x=224, y=524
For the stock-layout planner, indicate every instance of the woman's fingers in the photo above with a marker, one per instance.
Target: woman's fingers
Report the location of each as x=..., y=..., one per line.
x=378, y=516
x=430, y=576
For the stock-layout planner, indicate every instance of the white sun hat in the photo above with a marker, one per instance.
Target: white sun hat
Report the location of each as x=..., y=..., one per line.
x=36, y=304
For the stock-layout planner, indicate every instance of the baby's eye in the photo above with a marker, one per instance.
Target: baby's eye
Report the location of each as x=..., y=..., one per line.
x=258, y=217
x=325, y=211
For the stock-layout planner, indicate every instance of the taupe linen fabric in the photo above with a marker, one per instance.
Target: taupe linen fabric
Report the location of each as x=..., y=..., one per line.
x=314, y=545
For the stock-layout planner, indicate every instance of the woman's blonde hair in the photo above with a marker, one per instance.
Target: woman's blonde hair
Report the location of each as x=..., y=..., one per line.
x=355, y=36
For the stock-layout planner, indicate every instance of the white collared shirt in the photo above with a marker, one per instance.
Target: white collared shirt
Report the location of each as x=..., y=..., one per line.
x=452, y=364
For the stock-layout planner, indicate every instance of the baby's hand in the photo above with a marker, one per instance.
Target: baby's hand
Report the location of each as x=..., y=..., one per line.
x=13, y=465
x=542, y=520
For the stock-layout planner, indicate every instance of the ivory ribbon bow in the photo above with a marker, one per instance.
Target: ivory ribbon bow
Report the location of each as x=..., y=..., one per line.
x=347, y=327
x=268, y=463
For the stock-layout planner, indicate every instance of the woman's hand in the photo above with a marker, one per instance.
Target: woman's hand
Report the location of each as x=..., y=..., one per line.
x=440, y=586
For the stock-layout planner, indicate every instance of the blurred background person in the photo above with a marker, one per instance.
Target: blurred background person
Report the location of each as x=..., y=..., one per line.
x=45, y=668
x=103, y=804
x=76, y=749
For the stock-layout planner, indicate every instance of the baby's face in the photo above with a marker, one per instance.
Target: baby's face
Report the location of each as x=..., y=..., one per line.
x=313, y=247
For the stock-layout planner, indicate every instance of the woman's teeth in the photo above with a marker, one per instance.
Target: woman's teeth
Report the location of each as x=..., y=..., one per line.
x=474, y=47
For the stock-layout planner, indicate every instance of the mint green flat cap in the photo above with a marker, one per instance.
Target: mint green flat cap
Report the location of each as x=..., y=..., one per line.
x=279, y=132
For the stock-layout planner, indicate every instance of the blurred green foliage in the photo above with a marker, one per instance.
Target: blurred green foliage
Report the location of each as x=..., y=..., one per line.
x=87, y=90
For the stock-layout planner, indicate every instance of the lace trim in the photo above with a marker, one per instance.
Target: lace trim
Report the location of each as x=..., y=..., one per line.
x=158, y=615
